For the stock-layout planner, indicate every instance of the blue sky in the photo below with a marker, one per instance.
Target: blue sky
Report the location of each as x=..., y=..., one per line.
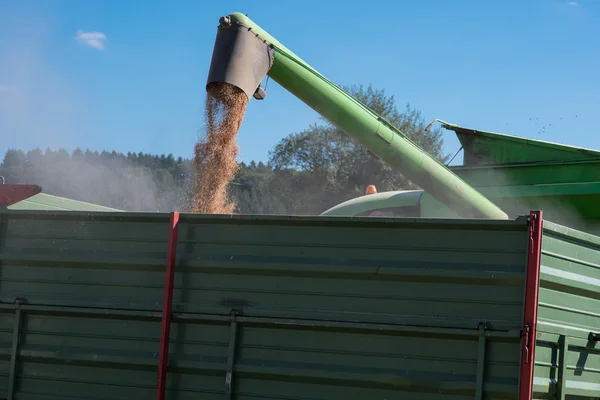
x=135, y=82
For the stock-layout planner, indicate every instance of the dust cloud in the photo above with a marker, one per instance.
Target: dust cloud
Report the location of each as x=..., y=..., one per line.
x=215, y=154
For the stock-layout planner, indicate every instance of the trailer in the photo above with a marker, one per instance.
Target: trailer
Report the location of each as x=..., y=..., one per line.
x=100, y=305
x=465, y=300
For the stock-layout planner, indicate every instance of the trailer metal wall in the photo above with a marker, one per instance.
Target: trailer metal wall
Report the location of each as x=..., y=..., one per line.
x=292, y=308
x=567, y=358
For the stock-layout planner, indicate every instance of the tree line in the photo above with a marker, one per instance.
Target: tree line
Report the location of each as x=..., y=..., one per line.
x=305, y=174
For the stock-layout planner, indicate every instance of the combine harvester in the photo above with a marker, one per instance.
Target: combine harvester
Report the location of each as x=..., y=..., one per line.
x=464, y=294
x=517, y=174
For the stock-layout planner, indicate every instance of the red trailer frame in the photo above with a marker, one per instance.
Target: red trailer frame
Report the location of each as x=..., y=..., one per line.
x=532, y=288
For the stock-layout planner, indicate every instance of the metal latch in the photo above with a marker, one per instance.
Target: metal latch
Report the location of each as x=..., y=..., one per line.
x=260, y=93
x=525, y=344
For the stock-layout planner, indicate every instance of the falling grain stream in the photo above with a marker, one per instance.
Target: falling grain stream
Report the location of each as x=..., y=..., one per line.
x=215, y=154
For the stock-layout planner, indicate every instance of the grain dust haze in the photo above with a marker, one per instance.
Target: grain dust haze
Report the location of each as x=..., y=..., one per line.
x=215, y=154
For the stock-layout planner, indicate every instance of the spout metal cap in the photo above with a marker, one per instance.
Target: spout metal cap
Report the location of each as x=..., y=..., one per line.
x=240, y=58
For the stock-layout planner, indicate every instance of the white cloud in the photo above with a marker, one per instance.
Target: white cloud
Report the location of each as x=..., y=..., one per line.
x=572, y=3
x=92, y=39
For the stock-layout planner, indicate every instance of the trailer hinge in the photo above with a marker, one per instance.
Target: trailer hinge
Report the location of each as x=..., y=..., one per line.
x=234, y=314
x=532, y=233
x=525, y=344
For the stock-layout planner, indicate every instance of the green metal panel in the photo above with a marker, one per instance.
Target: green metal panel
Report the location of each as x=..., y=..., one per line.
x=322, y=307
x=569, y=304
x=530, y=174
x=47, y=202
x=483, y=147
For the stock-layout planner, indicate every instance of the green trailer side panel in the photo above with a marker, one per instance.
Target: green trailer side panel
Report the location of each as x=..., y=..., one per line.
x=569, y=309
x=323, y=307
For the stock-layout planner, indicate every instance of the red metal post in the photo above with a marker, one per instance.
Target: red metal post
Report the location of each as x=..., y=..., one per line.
x=167, y=308
x=14, y=193
x=532, y=286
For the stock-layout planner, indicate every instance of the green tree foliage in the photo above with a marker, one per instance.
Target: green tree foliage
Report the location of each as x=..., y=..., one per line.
x=306, y=173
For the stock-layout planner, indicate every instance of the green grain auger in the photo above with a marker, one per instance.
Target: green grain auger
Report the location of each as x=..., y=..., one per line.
x=244, y=54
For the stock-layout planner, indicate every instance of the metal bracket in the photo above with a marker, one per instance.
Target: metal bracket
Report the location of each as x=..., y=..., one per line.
x=14, y=353
x=525, y=344
x=380, y=135
x=231, y=352
x=481, y=327
x=563, y=348
x=532, y=220
x=260, y=93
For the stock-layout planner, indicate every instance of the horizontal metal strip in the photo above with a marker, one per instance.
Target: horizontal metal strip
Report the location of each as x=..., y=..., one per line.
x=571, y=259
x=192, y=317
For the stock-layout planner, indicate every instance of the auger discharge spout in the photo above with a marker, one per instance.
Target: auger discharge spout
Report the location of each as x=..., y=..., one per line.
x=244, y=54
